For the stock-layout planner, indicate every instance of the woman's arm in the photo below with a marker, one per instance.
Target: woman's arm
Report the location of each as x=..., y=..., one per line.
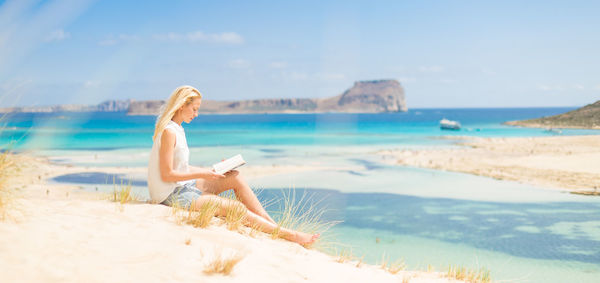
x=207, y=173
x=165, y=158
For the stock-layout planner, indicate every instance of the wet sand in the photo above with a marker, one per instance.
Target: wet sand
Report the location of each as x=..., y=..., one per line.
x=562, y=162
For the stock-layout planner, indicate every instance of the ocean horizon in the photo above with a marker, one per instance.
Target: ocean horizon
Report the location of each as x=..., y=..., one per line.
x=112, y=130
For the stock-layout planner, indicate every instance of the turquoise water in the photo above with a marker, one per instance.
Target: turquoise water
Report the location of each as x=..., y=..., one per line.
x=520, y=232
x=116, y=130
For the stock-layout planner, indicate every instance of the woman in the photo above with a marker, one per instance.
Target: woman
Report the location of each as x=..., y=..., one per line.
x=172, y=181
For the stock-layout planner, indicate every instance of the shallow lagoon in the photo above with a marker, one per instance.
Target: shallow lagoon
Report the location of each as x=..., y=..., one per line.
x=427, y=217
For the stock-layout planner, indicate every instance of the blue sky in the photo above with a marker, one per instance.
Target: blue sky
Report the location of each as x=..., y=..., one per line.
x=444, y=53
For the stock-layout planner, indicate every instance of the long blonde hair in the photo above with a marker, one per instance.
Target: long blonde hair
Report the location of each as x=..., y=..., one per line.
x=182, y=95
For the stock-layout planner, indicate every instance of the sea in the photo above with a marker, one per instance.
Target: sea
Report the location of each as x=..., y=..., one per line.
x=427, y=219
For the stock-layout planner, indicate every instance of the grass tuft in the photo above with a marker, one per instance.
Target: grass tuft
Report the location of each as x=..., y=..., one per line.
x=222, y=264
x=11, y=167
x=462, y=273
x=396, y=266
x=235, y=216
x=7, y=169
x=392, y=267
x=344, y=255
x=301, y=213
x=123, y=194
x=360, y=262
x=254, y=230
x=202, y=217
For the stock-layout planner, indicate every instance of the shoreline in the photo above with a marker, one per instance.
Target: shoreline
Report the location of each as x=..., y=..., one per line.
x=560, y=162
x=525, y=124
x=68, y=234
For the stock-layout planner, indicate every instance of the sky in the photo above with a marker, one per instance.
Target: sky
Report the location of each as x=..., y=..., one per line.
x=444, y=53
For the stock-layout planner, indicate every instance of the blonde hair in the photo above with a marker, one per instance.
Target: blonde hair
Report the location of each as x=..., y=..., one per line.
x=182, y=95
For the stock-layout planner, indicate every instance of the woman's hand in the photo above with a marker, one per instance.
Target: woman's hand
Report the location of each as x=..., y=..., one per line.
x=214, y=175
x=209, y=174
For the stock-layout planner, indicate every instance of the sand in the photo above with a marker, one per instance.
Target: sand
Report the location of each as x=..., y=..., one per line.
x=59, y=233
x=561, y=162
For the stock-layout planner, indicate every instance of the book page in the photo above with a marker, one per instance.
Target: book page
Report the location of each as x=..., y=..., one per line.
x=229, y=164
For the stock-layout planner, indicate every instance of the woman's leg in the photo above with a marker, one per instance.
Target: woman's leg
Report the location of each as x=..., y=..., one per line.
x=243, y=192
x=254, y=220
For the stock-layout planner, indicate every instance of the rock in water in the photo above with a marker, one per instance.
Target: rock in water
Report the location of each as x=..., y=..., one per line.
x=379, y=96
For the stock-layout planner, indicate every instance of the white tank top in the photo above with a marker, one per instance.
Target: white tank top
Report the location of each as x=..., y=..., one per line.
x=160, y=190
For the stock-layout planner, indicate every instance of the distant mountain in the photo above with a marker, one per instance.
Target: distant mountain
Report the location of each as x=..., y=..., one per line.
x=363, y=97
x=587, y=117
x=106, y=106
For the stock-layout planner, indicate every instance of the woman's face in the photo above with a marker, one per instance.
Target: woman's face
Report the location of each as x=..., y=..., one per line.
x=190, y=111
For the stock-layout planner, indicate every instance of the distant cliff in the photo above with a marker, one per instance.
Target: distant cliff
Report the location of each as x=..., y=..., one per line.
x=363, y=97
x=587, y=117
x=368, y=96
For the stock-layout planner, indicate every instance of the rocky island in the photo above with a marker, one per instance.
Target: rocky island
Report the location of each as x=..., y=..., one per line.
x=363, y=97
x=587, y=117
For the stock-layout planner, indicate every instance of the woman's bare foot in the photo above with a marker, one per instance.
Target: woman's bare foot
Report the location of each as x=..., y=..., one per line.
x=304, y=238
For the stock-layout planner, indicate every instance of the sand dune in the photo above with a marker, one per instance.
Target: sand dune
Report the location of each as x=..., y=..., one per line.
x=59, y=233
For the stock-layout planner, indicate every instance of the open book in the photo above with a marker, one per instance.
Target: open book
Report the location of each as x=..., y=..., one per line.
x=229, y=164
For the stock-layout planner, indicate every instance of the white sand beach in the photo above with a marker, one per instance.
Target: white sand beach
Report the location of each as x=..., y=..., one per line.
x=59, y=233
x=563, y=162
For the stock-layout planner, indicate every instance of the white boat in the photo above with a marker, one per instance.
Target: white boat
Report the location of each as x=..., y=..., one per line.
x=446, y=124
x=553, y=131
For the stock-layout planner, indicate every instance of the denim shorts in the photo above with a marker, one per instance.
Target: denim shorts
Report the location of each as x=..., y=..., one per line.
x=183, y=196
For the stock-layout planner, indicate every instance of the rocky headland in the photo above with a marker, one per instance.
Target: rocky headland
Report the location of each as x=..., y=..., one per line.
x=363, y=97
x=587, y=117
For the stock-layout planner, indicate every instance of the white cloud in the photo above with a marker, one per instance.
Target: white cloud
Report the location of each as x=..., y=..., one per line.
x=431, y=69
x=239, y=64
x=597, y=87
x=578, y=87
x=227, y=37
x=171, y=36
x=278, y=65
x=199, y=36
x=58, y=35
